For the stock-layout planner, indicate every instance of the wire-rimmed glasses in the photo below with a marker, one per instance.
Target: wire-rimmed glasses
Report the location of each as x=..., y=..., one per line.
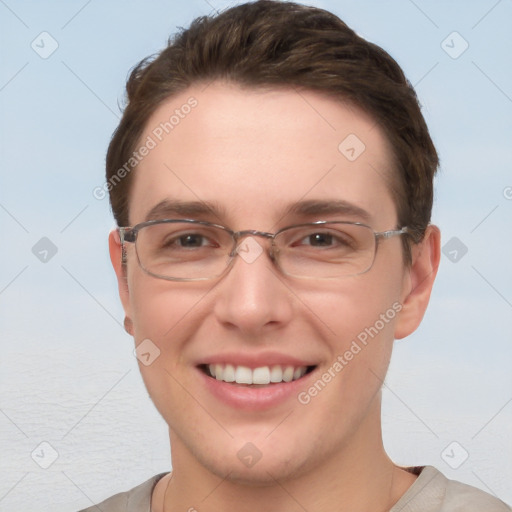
x=193, y=250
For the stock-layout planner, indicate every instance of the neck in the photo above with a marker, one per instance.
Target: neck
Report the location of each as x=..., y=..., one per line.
x=356, y=477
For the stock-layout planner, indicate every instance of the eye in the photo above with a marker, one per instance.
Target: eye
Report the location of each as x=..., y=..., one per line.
x=324, y=239
x=318, y=240
x=191, y=240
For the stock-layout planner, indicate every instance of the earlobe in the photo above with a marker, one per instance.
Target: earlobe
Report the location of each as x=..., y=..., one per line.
x=116, y=257
x=128, y=325
x=418, y=282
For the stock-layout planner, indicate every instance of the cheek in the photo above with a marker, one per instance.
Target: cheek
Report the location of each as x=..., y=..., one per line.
x=351, y=307
x=363, y=339
x=161, y=308
x=164, y=317
x=358, y=322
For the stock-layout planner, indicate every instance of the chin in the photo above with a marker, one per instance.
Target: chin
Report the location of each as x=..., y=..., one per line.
x=260, y=475
x=251, y=467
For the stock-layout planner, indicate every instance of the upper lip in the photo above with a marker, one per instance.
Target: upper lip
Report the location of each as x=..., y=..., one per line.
x=256, y=360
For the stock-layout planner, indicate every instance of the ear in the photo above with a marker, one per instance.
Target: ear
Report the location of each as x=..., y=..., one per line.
x=418, y=282
x=116, y=257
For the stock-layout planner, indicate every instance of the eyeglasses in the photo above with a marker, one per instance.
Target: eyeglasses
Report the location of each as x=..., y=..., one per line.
x=193, y=250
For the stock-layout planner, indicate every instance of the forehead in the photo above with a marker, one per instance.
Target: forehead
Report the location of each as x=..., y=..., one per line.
x=254, y=153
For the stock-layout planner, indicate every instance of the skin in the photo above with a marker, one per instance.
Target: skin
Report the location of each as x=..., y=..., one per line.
x=255, y=152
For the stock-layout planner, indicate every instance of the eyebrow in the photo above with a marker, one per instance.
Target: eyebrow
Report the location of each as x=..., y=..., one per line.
x=169, y=208
x=331, y=207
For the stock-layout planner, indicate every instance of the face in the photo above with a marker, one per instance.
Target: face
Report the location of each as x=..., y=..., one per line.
x=254, y=157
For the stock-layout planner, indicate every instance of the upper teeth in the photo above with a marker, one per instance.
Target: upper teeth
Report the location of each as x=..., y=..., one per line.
x=260, y=375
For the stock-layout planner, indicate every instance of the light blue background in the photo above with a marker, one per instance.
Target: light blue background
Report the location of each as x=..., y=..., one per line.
x=67, y=372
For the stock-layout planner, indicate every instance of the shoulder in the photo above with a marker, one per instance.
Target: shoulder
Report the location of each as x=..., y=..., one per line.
x=137, y=499
x=464, y=497
x=433, y=492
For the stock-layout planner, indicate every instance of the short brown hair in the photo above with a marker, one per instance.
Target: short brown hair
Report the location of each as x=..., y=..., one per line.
x=273, y=43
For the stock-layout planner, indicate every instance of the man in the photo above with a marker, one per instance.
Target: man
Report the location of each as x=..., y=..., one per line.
x=271, y=178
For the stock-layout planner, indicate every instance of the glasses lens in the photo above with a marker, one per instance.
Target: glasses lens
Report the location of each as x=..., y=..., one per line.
x=326, y=250
x=183, y=250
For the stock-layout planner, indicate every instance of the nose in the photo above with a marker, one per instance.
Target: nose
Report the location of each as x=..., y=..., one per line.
x=253, y=297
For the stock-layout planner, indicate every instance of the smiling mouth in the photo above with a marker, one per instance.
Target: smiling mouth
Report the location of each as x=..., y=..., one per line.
x=262, y=376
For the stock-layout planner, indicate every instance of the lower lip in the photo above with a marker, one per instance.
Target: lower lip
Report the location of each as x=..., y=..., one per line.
x=252, y=398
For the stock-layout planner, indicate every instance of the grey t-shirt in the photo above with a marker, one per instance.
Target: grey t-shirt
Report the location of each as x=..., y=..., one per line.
x=431, y=492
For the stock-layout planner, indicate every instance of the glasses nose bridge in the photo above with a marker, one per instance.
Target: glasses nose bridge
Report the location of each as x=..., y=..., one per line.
x=240, y=235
